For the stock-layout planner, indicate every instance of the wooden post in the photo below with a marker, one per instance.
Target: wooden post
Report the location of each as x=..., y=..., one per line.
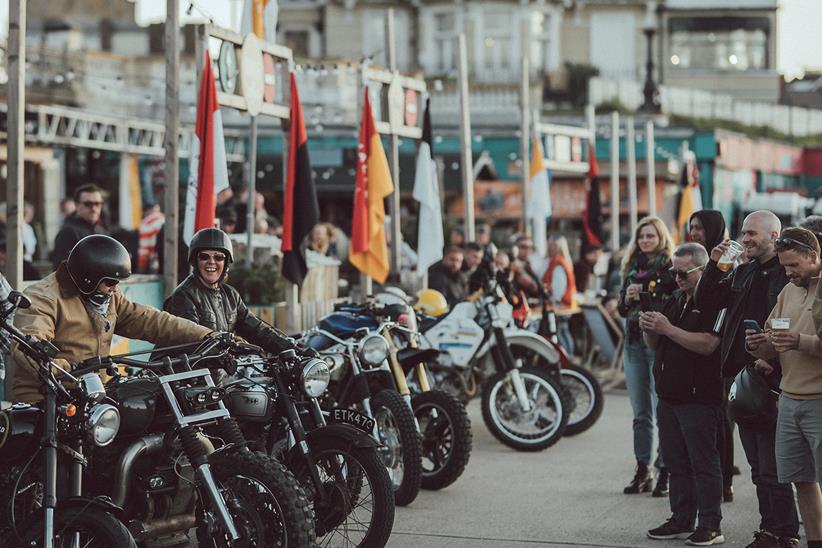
x=171, y=240
x=650, y=164
x=16, y=141
x=394, y=159
x=252, y=191
x=524, y=126
x=465, y=142
x=630, y=145
x=614, y=181
x=591, y=122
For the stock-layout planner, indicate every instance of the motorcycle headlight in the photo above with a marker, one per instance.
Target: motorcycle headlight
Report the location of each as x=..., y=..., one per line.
x=373, y=349
x=103, y=423
x=314, y=377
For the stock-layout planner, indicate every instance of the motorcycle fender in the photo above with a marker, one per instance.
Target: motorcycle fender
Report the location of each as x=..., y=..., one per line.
x=103, y=503
x=525, y=338
x=346, y=434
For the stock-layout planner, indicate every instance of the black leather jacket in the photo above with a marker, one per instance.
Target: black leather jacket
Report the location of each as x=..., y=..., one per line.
x=222, y=309
x=717, y=290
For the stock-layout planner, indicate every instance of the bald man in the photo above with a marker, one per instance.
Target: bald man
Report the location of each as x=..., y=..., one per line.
x=749, y=292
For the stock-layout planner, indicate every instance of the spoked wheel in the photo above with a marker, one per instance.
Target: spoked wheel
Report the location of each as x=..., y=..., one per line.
x=586, y=398
x=86, y=527
x=446, y=437
x=401, y=449
x=358, y=509
x=267, y=504
x=533, y=429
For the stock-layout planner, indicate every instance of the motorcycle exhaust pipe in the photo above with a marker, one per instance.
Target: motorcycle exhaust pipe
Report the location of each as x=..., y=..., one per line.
x=146, y=444
x=142, y=531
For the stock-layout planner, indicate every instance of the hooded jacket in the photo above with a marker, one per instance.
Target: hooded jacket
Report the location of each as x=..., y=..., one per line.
x=714, y=225
x=59, y=314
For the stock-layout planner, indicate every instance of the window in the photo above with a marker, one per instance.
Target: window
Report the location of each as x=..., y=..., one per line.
x=445, y=42
x=497, y=41
x=613, y=44
x=373, y=40
x=297, y=41
x=733, y=44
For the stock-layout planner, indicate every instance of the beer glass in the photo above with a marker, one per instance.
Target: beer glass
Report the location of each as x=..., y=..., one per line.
x=727, y=260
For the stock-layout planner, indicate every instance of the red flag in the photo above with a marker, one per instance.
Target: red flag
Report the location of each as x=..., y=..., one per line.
x=301, y=211
x=207, y=162
x=592, y=215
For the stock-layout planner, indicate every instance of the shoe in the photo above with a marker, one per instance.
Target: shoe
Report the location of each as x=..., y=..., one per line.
x=641, y=482
x=661, y=487
x=670, y=530
x=788, y=542
x=705, y=537
x=728, y=494
x=764, y=539
x=737, y=471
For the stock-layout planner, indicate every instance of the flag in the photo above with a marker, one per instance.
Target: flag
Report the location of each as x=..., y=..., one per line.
x=208, y=173
x=131, y=200
x=300, y=210
x=592, y=214
x=690, y=198
x=430, y=239
x=260, y=17
x=539, y=208
x=369, y=249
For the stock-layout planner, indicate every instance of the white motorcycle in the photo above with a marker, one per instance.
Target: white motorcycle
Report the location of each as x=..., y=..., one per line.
x=523, y=406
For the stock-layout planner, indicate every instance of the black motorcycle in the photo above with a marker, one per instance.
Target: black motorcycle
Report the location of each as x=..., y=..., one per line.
x=164, y=470
x=275, y=401
x=42, y=455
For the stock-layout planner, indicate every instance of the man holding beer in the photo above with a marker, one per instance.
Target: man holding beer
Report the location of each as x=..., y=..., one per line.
x=749, y=292
x=790, y=336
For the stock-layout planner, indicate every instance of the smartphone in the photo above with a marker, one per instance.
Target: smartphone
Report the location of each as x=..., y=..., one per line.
x=752, y=324
x=645, y=302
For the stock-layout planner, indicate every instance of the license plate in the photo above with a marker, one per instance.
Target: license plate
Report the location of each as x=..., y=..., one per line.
x=354, y=418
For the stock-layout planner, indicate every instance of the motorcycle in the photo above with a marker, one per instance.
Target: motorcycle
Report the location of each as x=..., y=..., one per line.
x=167, y=474
x=523, y=406
x=47, y=507
x=360, y=379
x=275, y=400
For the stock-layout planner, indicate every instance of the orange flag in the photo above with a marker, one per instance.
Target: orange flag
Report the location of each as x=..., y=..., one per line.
x=369, y=249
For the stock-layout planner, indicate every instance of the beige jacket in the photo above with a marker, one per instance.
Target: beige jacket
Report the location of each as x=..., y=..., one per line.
x=801, y=368
x=58, y=314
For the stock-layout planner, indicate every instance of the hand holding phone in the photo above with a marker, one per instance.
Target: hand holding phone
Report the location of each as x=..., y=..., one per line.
x=752, y=324
x=645, y=302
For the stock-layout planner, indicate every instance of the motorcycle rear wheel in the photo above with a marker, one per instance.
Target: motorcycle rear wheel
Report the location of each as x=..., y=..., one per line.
x=535, y=430
x=446, y=437
x=96, y=527
x=402, y=449
x=266, y=502
x=587, y=399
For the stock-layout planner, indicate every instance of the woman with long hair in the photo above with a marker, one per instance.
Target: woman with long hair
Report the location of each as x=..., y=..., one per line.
x=645, y=269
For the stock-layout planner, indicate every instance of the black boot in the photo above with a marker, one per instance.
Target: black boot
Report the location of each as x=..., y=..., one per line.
x=661, y=487
x=641, y=482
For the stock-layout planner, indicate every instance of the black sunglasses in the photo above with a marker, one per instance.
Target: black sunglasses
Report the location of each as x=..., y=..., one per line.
x=785, y=243
x=91, y=204
x=683, y=273
x=110, y=282
x=217, y=257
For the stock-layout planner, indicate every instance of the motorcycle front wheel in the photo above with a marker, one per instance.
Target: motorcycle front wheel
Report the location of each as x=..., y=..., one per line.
x=359, y=505
x=535, y=429
x=446, y=437
x=267, y=504
x=96, y=529
x=401, y=450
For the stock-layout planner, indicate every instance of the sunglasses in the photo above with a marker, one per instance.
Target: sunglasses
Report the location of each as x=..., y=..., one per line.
x=784, y=244
x=109, y=282
x=90, y=204
x=683, y=273
x=216, y=257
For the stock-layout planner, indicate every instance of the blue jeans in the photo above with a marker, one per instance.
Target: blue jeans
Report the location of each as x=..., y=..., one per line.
x=638, y=362
x=566, y=338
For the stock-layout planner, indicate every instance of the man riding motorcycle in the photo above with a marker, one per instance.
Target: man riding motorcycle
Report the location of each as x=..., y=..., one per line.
x=79, y=309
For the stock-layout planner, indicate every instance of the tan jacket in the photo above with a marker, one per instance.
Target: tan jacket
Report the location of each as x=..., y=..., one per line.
x=801, y=368
x=58, y=314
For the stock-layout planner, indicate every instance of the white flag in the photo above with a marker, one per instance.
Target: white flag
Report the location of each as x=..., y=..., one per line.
x=260, y=17
x=430, y=239
x=539, y=202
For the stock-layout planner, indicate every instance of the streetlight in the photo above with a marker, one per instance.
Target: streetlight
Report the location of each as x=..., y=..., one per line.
x=650, y=103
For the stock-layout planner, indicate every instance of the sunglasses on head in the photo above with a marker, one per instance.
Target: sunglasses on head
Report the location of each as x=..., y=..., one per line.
x=683, y=273
x=91, y=204
x=216, y=257
x=784, y=244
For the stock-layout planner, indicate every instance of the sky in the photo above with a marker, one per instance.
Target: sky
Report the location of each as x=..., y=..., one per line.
x=799, y=26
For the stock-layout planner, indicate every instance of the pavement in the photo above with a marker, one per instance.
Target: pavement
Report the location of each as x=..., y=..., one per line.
x=569, y=495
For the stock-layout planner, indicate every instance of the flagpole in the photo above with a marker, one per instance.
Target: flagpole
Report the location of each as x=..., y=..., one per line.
x=171, y=240
x=614, y=181
x=524, y=101
x=650, y=165
x=465, y=142
x=293, y=320
x=16, y=140
x=630, y=144
x=252, y=192
x=394, y=139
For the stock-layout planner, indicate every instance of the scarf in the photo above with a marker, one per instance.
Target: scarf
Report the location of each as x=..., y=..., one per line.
x=97, y=304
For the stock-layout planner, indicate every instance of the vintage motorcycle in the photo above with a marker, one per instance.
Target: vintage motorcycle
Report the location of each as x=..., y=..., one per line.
x=163, y=468
x=42, y=452
x=361, y=380
x=275, y=400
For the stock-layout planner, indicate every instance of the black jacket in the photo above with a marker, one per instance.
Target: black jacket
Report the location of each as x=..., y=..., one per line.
x=716, y=291
x=452, y=285
x=222, y=309
x=74, y=229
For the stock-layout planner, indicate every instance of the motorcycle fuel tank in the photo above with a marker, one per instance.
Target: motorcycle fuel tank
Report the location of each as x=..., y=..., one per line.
x=250, y=399
x=460, y=337
x=20, y=427
x=136, y=398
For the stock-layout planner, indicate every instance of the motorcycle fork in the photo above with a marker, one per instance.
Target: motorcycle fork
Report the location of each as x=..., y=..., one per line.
x=397, y=371
x=50, y=446
x=504, y=356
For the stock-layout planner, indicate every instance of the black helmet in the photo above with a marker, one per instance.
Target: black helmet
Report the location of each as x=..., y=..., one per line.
x=96, y=258
x=751, y=402
x=210, y=238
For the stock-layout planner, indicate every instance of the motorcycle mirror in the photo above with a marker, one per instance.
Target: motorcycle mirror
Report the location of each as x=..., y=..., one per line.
x=19, y=300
